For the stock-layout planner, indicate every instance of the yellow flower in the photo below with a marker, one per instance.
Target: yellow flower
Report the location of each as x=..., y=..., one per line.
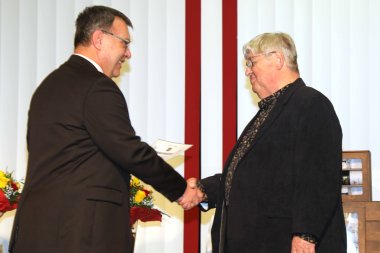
x=3, y=180
x=135, y=181
x=140, y=195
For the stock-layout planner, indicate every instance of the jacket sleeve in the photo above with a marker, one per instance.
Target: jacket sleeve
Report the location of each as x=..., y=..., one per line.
x=107, y=120
x=212, y=186
x=318, y=157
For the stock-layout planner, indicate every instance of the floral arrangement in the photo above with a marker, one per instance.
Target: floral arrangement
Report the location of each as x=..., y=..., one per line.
x=141, y=203
x=9, y=192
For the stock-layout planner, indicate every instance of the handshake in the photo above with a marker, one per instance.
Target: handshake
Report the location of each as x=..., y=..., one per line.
x=193, y=194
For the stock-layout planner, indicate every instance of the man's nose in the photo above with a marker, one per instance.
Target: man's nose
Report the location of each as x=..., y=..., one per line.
x=128, y=53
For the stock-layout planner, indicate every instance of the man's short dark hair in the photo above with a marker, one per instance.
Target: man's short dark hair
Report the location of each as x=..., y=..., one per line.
x=93, y=18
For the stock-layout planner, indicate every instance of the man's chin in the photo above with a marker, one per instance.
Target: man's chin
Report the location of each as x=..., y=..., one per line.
x=116, y=73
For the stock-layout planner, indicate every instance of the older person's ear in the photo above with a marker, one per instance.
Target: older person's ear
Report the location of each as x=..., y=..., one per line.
x=279, y=60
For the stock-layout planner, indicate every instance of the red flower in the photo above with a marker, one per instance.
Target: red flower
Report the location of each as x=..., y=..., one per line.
x=147, y=192
x=9, y=192
x=144, y=214
x=14, y=186
x=4, y=203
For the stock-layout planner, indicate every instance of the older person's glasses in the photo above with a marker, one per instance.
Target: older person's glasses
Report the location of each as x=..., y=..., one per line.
x=250, y=63
x=125, y=41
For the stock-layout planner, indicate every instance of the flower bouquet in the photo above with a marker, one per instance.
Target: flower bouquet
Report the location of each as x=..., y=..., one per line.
x=141, y=203
x=9, y=192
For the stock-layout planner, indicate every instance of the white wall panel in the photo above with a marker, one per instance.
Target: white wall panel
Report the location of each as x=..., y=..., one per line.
x=46, y=37
x=9, y=41
x=248, y=12
x=9, y=90
x=175, y=70
x=64, y=30
x=124, y=80
x=284, y=15
x=162, y=69
x=211, y=90
x=358, y=73
x=80, y=5
x=266, y=10
x=137, y=92
x=340, y=80
x=302, y=35
x=27, y=75
x=211, y=101
x=374, y=91
x=320, y=51
x=155, y=69
x=102, y=2
x=175, y=107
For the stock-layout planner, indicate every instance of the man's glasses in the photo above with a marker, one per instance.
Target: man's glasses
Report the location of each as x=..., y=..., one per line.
x=249, y=63
x=125, y=41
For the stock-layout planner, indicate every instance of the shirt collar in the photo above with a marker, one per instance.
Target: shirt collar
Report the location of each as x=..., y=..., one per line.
x=91, y=61
x=266, y=102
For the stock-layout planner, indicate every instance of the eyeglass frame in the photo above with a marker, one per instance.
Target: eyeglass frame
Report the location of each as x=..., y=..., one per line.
x=125, y=41
x=249, y=63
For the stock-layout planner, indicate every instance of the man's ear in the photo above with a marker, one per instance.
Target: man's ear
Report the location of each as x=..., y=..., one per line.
x=97, y=38
x=280, y=60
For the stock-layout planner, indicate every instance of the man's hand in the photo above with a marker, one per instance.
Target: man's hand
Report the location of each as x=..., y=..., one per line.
x=192, y=182
x=301, y=246
x=192, y=196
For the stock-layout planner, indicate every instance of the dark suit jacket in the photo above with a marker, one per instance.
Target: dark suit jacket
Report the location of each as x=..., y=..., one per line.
x=289, y=181
x=82, y=149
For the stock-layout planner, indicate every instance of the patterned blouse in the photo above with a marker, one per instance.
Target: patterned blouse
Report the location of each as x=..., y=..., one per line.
x=246, y=139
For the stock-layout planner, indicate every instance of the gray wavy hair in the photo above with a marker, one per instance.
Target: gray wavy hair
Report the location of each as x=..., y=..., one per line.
x=280, y=42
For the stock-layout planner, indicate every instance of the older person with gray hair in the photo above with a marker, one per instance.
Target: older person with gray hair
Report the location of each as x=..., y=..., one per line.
x=280, y=191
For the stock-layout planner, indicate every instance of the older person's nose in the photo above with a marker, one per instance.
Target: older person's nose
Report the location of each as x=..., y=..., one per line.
x=248, y=71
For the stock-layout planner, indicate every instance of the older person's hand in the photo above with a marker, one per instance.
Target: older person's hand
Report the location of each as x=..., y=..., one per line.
x=301, y=246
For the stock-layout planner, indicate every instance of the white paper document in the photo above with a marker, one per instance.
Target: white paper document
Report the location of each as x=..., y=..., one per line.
x=167, y=149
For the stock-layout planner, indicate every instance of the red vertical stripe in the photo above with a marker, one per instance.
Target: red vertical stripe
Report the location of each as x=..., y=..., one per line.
x=193, y=99
x=192, y=115
x=229, y=21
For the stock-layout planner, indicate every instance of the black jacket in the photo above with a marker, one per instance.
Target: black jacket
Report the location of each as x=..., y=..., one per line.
x=289, y=181
x=82, y=149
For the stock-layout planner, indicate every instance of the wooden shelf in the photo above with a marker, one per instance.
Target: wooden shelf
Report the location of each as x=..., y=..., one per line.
x=360, y=209
x=369, y=224
x=365, y=157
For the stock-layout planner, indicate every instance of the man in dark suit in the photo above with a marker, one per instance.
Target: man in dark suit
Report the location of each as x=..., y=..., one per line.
x=280, y=191
x=82, y=149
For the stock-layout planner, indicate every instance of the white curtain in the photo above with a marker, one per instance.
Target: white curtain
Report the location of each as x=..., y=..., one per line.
x=36, y=36
x=337, y=42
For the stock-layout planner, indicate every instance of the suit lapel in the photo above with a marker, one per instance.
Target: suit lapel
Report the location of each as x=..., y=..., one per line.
x=275, y=113
x=228, y=161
